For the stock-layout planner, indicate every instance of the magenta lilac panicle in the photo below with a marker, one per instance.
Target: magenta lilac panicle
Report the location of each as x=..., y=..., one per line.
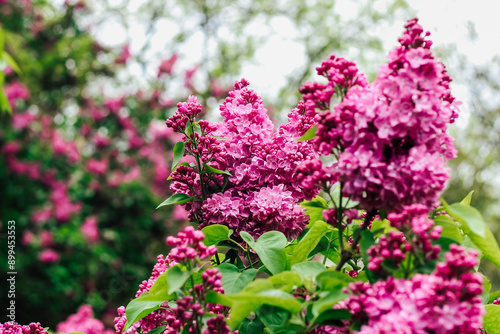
x=390, y=136
x=15, y=328
x=188, y=248
x=446, y=301
x=262, y=193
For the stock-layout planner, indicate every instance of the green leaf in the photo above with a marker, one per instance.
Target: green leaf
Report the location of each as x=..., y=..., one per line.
x=310, y=241
x=260, y=284
x=346, y=203
x=366, y=242
x=271, y=249
x=310, y=134
x=2, y=40
x=469, y=218
x=380, y=227
x=176, y=278
x=179, y=149
x=488, y=246
x=163, y=289
x=251, y=326
x=273, y=317
x=314, y=209
x=189, y=130
x=4, y=101
x=329, y=317
x=331, y=280
x=178, y=198
x=196, y=279
x=494, y=296
x=286, y=280
x=244, y=303
x=467, y=199
x=475, y=228
x=486, y=289
x=143, y=305
x=450, y=228
x=210, y=169
x=327, y=301
x=491, y=319
x=308, y=269
x=233, y=281
x=215, y=234
x=158, y=330
x=11, y=62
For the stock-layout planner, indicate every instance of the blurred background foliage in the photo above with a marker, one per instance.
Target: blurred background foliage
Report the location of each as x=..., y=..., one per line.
x=85, y=153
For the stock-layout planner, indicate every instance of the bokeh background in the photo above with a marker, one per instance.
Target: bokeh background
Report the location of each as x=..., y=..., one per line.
x=85, y=154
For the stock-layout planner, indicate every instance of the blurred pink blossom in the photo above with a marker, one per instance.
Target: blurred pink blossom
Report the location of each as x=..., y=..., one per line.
x=124, y=56
x=167, y=65
x=114, y=105
x=16, y=91
x=83, y=321
x=28, y=238
x=48, y=255
x=65, y=148
x=100, y=141
x=22, y=120
x=41, y=216
x=89, y=229
x=180, y=213
x=46, y=239
x=97, y=166
x=61, y=202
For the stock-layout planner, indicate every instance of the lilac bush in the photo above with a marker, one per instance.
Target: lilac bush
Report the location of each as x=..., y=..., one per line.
x=354, y=243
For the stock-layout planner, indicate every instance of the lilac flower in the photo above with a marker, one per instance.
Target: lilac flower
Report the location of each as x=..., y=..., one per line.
x=390, y=136
x=446, y=301
x=262, y=193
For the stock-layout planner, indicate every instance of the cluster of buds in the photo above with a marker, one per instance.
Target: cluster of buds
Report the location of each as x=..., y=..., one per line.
x=392, y=246
x=186, y=112
x=189, y=245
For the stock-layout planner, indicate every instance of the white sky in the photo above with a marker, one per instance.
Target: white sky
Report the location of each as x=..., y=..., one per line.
x=447, y=20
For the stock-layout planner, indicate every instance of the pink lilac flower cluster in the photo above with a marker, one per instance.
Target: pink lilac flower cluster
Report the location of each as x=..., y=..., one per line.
x=446, y=301
x=415, y=218
x=392, y=246
x=217, y=325
x=188, y=247
x=186, y=112
x=415, y=222
x=15, y=328
x=390, y=136
x=83, y=321
x=262, y=192
x=341, y=74
x=313, y=175
x=188, y=310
